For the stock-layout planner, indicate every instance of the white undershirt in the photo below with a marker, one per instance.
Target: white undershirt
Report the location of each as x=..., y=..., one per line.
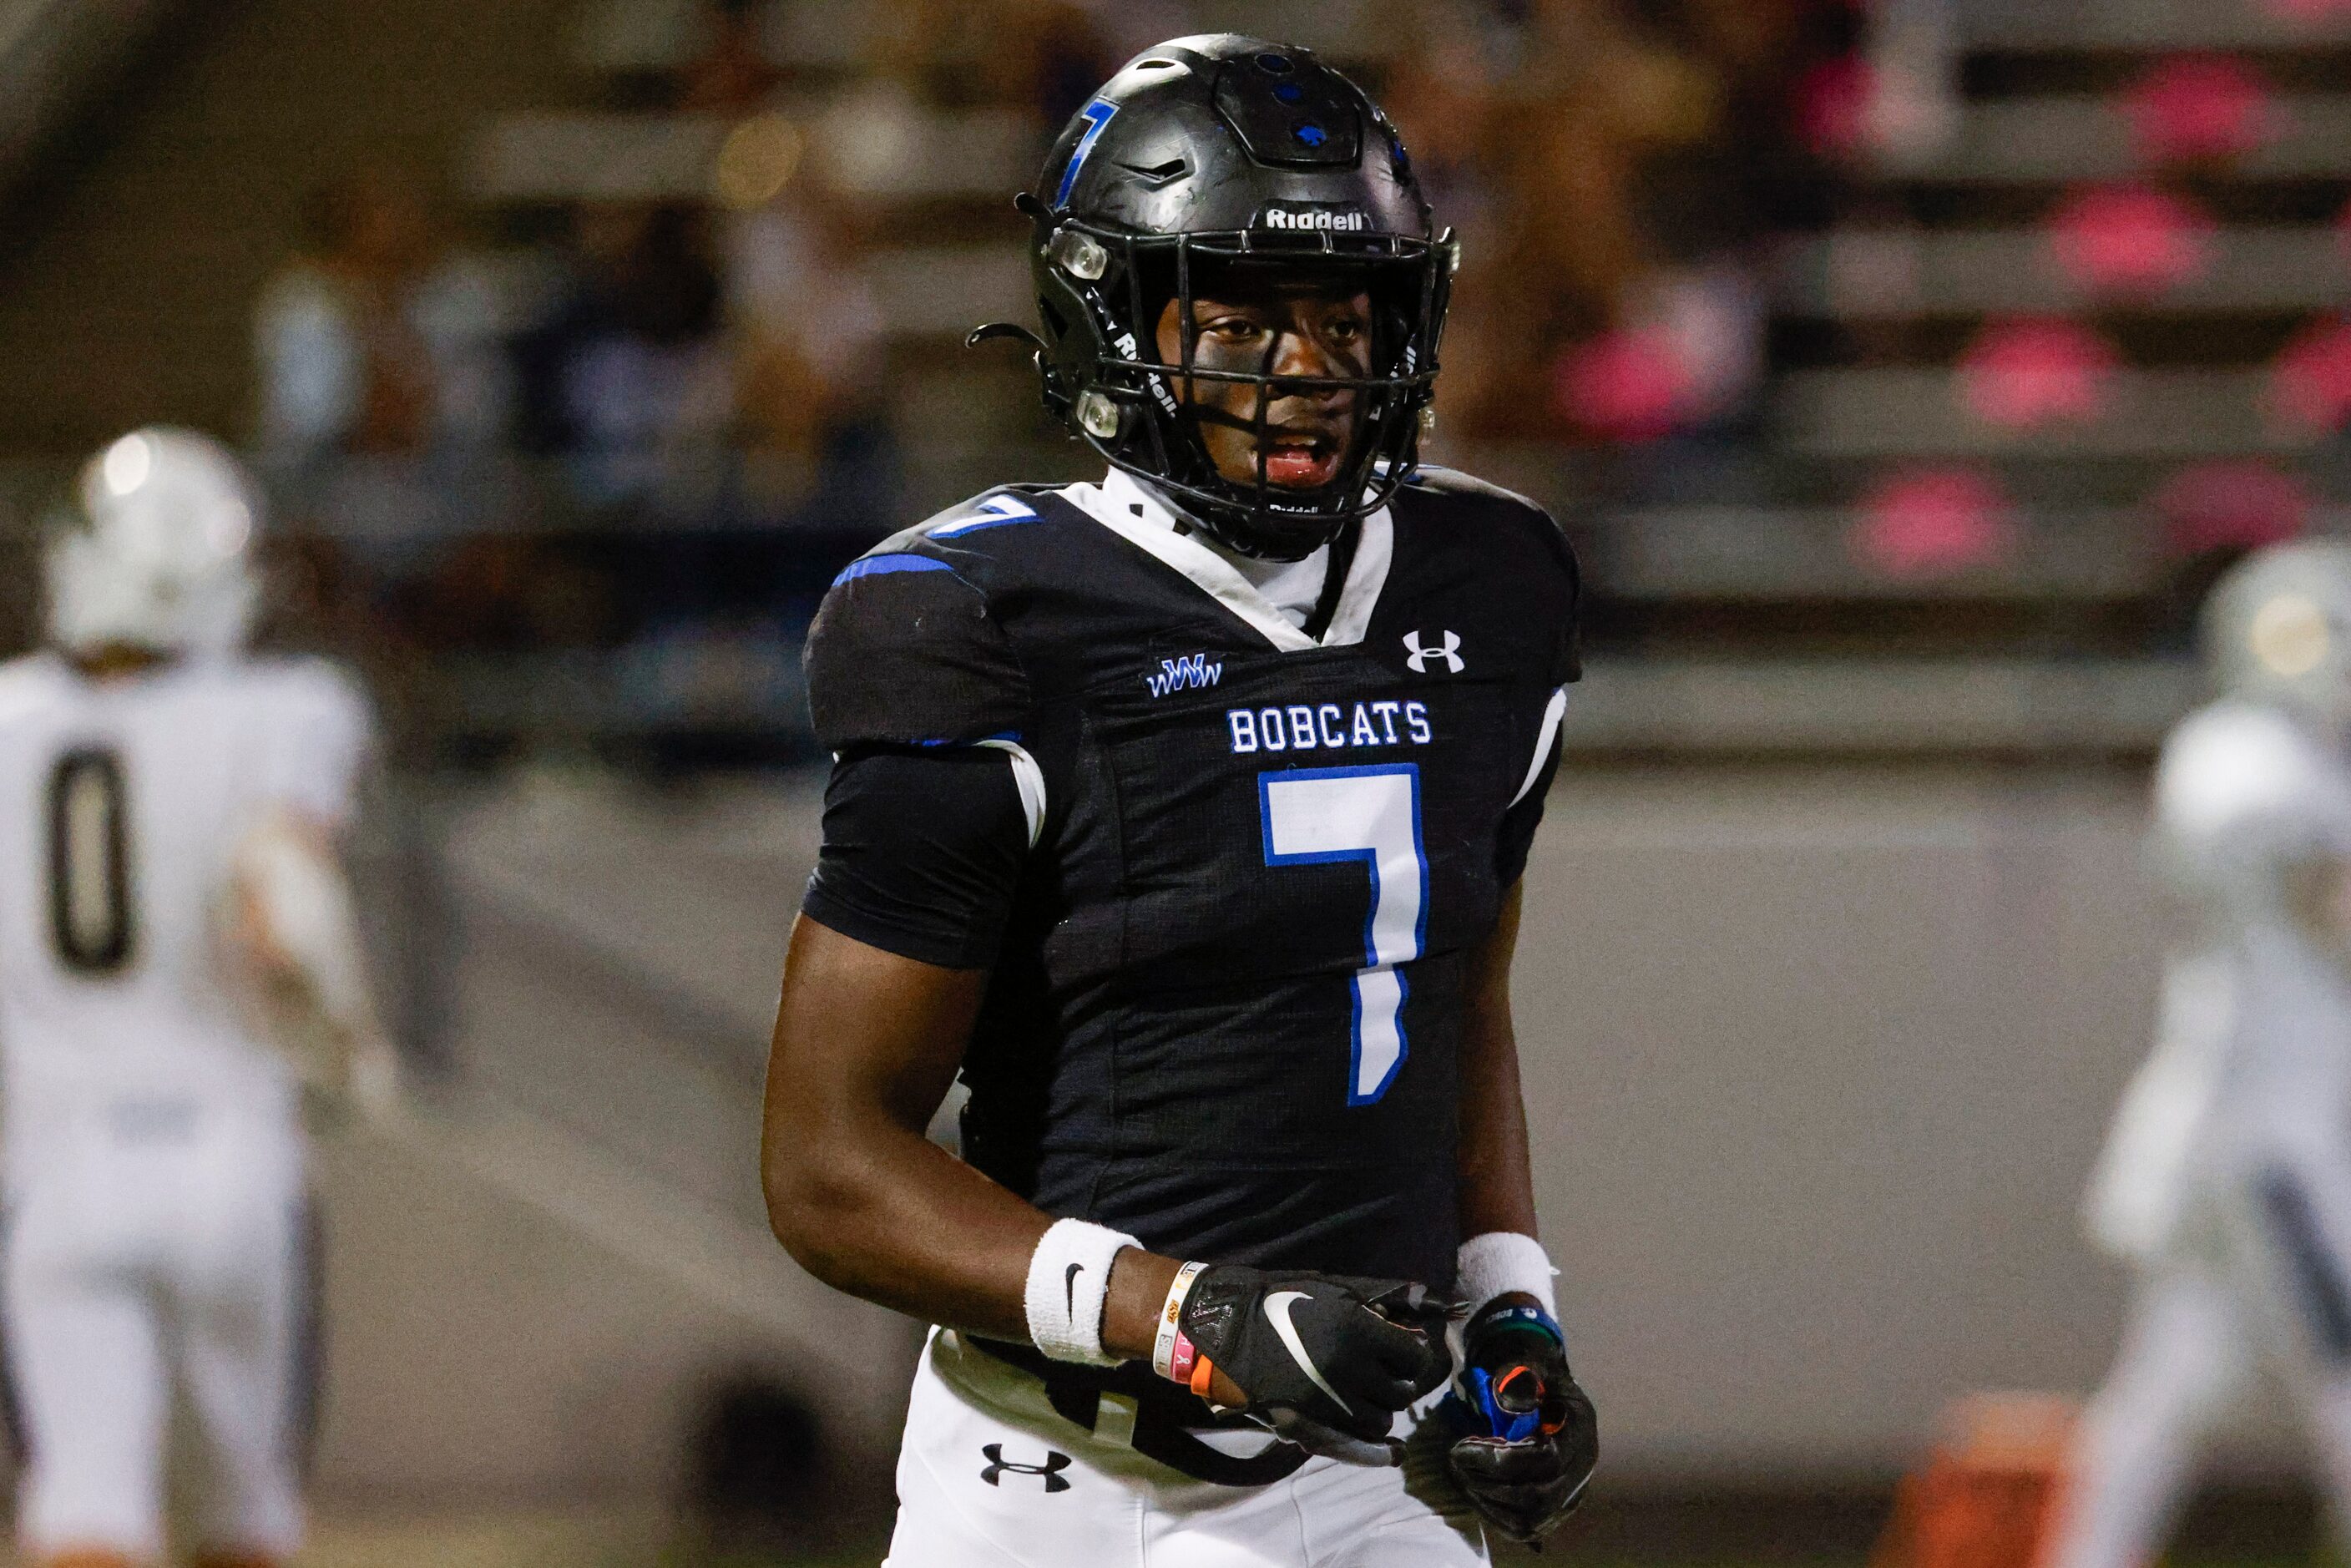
x=1292, y=587
x=1277, y=598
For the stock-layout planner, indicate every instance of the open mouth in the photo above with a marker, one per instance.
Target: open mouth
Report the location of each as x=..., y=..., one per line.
x=1301, y=460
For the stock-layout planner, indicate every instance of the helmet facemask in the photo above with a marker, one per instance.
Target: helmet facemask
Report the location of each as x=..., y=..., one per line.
x=1147, y=411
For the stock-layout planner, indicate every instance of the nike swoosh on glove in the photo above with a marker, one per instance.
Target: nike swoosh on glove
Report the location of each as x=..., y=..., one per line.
x=1324, y=1360
x=1530, y=1437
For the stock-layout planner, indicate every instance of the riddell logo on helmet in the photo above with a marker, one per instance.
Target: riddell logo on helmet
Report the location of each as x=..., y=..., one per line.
x=1303, y=218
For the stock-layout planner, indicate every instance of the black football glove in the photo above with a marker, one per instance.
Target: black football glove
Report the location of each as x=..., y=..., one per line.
x=1324, y=1360
x=1529, y=1436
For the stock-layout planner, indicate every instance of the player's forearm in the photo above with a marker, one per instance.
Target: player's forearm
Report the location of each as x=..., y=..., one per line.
x=866, y=1043
x=1496, y=1188
x=1496, y=1181
x=901, y=1222
x=888, y=1215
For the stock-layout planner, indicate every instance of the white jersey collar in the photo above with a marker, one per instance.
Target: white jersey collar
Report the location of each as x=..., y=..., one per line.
x=1133, y=511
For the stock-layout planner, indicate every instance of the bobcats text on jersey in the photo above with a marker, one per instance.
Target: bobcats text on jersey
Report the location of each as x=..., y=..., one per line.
x=1328, y=727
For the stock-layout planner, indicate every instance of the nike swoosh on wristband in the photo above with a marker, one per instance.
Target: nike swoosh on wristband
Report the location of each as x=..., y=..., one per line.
x=1070, y=1283
x=1277, y=1310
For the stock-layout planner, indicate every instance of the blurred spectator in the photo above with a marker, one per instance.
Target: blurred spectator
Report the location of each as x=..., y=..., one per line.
x=1600, y=165
x=734, y=72
x=378, y=338
x=627, y=378
x=811, y=354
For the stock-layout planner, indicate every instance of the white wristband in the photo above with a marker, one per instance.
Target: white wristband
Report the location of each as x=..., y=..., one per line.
x=1171, y=1320
x=1499, y=1262
x=1069, y=1278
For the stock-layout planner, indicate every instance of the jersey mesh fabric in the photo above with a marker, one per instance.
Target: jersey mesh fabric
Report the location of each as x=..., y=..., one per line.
x=921, y=854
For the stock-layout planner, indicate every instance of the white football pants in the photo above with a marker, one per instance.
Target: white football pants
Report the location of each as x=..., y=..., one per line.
x=2267, y=1288
x=989, y=1477
x=155, y=1246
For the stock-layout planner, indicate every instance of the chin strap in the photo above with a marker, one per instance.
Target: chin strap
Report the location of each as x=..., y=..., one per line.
x=1334, y=580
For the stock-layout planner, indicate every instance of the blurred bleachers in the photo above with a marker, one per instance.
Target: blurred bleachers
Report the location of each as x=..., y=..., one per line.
x=1902, y=373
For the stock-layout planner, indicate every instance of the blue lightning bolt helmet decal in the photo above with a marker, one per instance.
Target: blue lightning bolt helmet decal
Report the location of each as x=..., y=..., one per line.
x=1097, y=115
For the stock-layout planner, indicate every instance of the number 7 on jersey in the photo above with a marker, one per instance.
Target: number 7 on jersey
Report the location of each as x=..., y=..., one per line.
x=1314, y=815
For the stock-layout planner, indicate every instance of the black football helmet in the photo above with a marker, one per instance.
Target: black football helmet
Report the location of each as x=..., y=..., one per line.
x=1221, y=156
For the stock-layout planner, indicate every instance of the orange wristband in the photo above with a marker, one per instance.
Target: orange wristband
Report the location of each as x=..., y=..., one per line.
x=1204, y=1374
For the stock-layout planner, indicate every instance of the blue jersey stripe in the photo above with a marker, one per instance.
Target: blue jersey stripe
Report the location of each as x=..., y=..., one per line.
x=875, y=565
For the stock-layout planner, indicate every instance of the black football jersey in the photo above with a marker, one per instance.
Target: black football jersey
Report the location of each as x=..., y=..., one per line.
x=1224, y=1011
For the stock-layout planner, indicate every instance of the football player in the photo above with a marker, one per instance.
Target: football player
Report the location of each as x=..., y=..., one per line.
x=177, y=968
x=1183, y=814
x=2227, y=1180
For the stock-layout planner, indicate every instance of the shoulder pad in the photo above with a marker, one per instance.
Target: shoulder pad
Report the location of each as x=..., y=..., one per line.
x=303, y=680
x=2238, y=778
x=1437, y=481
x=1527, y=545
x=905, y=650
x=26, y=682
x=1000, y=508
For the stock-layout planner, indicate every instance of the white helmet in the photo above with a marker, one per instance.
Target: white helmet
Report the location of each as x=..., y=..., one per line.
x=158, y=553
x=2277, y=630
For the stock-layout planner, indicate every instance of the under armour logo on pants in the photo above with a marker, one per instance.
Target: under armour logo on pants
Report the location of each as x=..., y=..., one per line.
x=997, y=1466
x=1417, y=657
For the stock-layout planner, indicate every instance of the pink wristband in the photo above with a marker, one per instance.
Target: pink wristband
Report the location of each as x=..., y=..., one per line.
x=1180, y=1362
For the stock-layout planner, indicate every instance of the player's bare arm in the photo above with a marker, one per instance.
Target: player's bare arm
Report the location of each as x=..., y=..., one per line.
x=1530, y=1435
x=1498, y=1192
x=866, y=1045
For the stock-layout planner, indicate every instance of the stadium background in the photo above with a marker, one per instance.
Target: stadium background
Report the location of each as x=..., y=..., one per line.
x=1903, y=370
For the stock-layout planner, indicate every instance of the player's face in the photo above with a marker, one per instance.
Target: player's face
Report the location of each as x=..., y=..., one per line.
x=1300, y=329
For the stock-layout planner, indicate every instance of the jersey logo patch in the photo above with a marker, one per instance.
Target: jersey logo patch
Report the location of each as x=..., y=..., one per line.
x=1417, y=654
x=999, y=1467
x=1191, y=672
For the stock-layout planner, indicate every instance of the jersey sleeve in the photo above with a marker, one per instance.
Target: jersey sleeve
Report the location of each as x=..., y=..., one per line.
x=923, y=852
x=1556, y=585
x=906, y=651
x=1525, y=814
x=914, y=687
x=1564, y=602
x=318, y=733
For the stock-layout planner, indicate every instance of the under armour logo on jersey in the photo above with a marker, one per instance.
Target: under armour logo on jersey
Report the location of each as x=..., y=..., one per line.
x=1417, y=657
x=1188, y=674
x=997, y=1466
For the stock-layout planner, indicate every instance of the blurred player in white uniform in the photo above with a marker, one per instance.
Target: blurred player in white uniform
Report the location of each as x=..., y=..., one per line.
x=2227, y=1179
x=177, y=971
